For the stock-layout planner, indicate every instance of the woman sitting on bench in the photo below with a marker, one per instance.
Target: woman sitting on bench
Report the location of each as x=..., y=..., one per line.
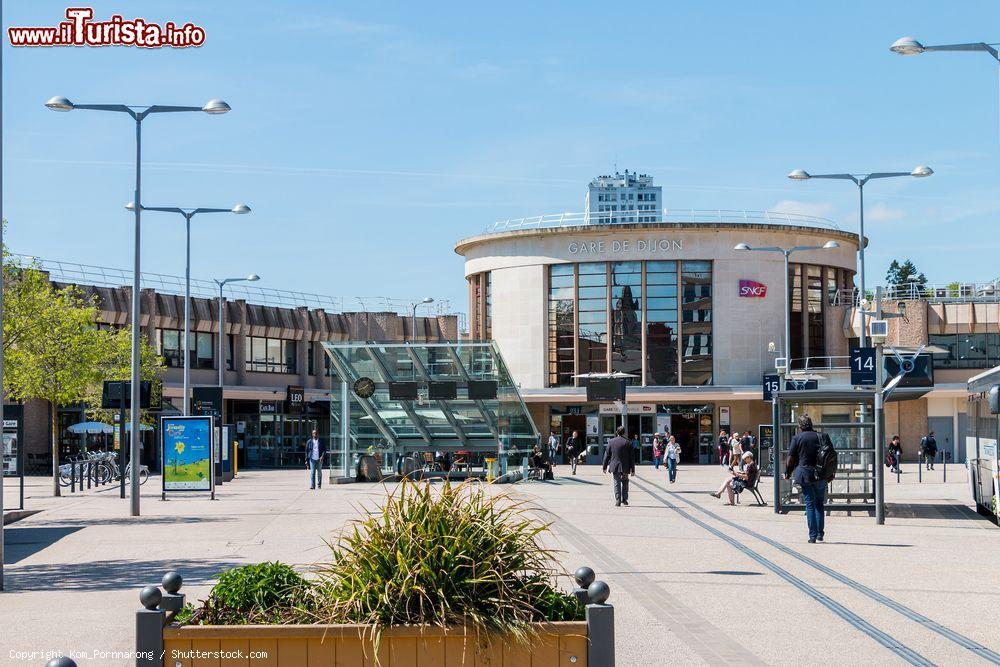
x=744, y=479
x=540, y=461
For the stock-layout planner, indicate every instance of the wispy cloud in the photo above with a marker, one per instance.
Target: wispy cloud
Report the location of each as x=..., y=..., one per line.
x=882, y=212
x=795, y=207
x=334, y=25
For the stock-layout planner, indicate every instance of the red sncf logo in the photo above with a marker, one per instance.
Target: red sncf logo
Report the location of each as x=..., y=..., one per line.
x=753, y=289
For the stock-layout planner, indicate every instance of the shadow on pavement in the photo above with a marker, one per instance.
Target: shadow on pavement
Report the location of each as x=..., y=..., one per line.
x=130, y=521
x=932, y=511
x=23, y=541
x=110, y=575
x=871, y=544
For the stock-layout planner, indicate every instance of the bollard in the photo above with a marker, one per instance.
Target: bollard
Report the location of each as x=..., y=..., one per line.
x=61, y=661
x=944, y=464
x=920, y=468
x=89, y=475
x=149, y=623
x=172, y=600
x=584, y=577
x=600, y=627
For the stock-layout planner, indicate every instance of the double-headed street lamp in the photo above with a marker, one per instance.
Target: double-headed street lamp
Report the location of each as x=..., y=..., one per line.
x=188, y=213
x=907, y=46
x=425, y=300
x=253, y=277
x=138, y=114
x=860, y=179
x=786, y=252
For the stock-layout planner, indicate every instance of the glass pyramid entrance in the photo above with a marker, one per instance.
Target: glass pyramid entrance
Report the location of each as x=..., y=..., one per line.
x=442, y=422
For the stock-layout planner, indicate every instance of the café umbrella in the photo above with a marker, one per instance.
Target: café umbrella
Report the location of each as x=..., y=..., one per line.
x=85, y=428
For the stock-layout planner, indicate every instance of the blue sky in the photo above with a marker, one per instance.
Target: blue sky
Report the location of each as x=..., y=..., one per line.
x=369, y=137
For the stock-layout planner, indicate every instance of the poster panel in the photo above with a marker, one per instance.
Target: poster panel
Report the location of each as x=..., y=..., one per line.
x=187, y=453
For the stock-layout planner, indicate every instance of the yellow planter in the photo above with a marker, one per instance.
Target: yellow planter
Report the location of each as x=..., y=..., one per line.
x=349, y=646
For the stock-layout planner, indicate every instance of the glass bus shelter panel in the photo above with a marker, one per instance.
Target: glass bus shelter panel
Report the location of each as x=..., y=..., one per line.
x=851, y=428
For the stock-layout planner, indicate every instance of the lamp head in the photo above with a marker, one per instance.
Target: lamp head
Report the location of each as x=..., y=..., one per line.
x=907, y=46
x=428, y=299
x=59, y=104
x=130, y=206
x=240, y=209
x=741, y=246
x=830, y=245
x=216, y=107
x=799, y=175
x=921, y=171
x=253, y=277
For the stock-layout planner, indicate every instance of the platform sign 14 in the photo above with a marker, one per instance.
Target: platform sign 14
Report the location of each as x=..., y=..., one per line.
x=863, y=366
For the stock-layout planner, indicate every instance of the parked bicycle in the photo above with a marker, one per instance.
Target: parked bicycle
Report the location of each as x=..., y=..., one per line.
x=103, y=469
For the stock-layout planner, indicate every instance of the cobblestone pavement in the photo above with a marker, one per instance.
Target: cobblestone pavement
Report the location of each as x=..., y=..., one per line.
x=693, y=581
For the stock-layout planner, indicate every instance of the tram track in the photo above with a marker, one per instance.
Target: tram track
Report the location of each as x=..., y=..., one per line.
x=907, y=654
x=951, y=635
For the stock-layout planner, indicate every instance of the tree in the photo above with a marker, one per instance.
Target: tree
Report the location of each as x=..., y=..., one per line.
x=59, y=356
x=117, y=365
x=905, y=275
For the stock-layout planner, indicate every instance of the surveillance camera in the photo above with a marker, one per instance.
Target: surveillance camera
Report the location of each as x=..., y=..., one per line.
x=864, y=304
x=901, y=306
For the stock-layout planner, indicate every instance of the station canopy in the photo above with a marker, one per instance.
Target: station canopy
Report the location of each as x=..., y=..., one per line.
x=369, y=378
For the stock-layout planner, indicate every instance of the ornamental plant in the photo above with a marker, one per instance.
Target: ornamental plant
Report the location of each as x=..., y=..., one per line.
x=444, y=557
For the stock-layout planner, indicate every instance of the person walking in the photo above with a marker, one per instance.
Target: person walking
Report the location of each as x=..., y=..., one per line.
x=657, y=451
x=573, y=449
x=553, y=447
x=928, y=446
x=723, y=448
x=315, y=451
x=746, y=444
x=673, y=457
x=618, y=456
x=801, y=469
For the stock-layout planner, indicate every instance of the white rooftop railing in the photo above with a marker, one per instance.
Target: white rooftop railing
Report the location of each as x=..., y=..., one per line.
x=669, y=216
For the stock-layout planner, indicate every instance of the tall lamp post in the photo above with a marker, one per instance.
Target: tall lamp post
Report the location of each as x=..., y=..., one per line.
x=138, y=114
x=253, y=277
x=188, y=213
x=786, y=252
x=860, y=180
x=425, y=300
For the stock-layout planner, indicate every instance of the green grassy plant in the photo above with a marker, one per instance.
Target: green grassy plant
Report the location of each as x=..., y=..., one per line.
x=266, y=593
x=447, y=557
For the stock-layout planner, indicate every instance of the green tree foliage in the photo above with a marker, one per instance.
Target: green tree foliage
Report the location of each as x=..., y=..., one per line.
x=53, y=349
x=905, y=274
x=59, y=352
x=117, y=365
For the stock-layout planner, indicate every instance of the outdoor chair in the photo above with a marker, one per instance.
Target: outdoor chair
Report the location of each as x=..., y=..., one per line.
x=754, y=491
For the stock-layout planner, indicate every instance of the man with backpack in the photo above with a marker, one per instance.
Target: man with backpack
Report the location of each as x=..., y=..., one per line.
x=928, y=446
x=811, y=465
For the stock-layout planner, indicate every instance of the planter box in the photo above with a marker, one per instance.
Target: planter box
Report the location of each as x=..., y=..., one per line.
x=161, y=643
x=348, y=645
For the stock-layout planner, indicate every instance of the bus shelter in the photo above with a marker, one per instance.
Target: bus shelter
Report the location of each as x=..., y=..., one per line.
x=981, y=440
x=847, y=415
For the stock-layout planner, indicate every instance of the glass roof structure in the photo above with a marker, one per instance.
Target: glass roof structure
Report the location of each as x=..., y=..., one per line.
x=365, y=419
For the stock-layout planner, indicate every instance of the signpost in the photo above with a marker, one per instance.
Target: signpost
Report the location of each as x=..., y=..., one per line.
x=188, y=461
x=863, y=366
x=771, y=384
x=296, y=398
x=111, y=399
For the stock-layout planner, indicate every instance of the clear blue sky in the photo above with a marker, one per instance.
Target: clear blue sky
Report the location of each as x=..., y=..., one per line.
x=369, y=137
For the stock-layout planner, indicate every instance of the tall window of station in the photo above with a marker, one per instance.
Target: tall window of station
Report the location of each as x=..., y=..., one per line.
x=696, y=323
x=562, y=328
x=626, y=317
x=593, y=317
x=661, y=323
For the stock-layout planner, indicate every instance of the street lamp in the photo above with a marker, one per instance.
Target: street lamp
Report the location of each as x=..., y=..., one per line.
x=188, y=213
x=907, y=46
x=829, y=245
x=138, y=114
x=860, y=179
x=253, y=277
x=426, y=299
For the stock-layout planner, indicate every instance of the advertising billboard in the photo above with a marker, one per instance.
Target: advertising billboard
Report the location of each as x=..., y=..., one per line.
x=187, y=453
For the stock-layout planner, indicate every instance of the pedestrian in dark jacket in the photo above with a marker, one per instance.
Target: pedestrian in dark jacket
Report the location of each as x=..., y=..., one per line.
x=619, y=458
x=574, y=447
x=929, y=447
x=800, y=468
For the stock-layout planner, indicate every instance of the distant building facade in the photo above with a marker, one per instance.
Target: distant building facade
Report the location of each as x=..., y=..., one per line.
x=624, y=198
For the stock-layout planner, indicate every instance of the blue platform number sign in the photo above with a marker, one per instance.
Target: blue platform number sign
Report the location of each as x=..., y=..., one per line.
x=187, y=453
x=863, y=366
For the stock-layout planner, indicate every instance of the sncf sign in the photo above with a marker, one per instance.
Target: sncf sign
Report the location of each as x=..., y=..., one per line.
x=753, y=289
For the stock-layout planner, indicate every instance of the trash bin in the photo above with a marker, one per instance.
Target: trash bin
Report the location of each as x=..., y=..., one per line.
x=491, y=469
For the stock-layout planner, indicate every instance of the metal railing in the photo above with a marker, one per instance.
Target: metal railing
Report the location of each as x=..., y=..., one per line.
x=933, y=293
x=833, y=363
x=102, y=276
x=718, y=216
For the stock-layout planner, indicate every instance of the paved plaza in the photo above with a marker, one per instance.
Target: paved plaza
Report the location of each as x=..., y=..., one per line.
x=693, y=581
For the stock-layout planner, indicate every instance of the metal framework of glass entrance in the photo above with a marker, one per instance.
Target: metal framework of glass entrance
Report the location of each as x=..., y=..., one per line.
x=470, y=429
